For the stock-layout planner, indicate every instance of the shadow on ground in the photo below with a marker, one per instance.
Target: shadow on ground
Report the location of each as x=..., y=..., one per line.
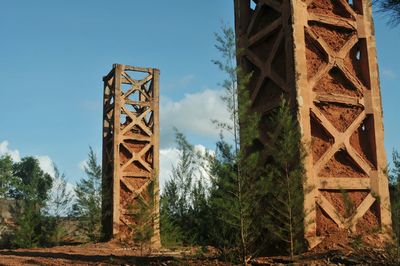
x=109, y=259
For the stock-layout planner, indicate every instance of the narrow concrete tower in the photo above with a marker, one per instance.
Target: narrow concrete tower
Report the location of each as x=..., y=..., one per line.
x=131, y=135
x=321, y=55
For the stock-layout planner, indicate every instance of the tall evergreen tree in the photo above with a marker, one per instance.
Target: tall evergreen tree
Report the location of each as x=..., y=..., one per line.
x=183, y=201
x=58, y=207
x=283, y=202
x=144, y=216
x=88, y=199
x=170, y=229
x=236, y=184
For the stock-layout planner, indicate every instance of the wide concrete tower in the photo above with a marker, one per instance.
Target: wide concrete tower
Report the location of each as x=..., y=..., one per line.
x=131, y=135
x=321, y=54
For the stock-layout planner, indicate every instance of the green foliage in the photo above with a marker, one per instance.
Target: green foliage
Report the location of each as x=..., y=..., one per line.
x=349, y=206
x=144, y=216
x=284, y=212
x=30, y=188
x=237, y=164
x=88, y=199
x=58, y=207
x=28, y=224
x=225, y=229
x=38, y=202
x=30, y=183
x=6, y=175
x=253, y=202
x=171, y=236
x=183, y=201
x=391, y=8
x=394, y=176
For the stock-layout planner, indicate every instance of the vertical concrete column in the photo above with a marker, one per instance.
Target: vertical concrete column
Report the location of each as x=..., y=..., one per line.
x=130, y=147
x=321, y=55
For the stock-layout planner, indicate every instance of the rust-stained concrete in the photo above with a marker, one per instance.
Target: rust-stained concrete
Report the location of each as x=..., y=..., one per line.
x=131, y=135
x=321, y=55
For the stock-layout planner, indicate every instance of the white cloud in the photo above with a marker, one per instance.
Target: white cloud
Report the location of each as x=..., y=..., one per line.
x=5, y=150
x=170, y=156
x=388, y=73
x=82, y=165
x=46, y=164
x=192, y=115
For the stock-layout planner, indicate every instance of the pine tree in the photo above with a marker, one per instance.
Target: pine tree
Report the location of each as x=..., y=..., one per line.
x=144, y=216
x=59, y=206
x=225, y=223
x=283, y=202
x=88, y=199
x=183, y=202
x=391, y=8
x=237, y=183
x=170, y=229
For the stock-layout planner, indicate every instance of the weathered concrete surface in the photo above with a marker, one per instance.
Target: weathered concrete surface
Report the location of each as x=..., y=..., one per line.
x=130, y=146
x=321, y=55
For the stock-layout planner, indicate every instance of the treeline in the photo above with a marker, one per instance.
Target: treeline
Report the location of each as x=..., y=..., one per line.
x=44, y=212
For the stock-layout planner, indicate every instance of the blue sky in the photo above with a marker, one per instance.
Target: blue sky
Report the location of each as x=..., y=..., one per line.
x=54, y=53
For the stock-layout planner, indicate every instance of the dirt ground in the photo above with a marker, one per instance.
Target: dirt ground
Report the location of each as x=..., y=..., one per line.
x=113, y=254
x=103, y=254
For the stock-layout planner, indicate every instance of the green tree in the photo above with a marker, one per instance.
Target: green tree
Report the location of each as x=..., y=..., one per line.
x=87, y=206
x=183, y=201
x=58, y=207
x=144, y=216
x=223, y=201
x=391, y=8
x=234, y=179
x=6, y=175
x=30, y=188
x=283, y=202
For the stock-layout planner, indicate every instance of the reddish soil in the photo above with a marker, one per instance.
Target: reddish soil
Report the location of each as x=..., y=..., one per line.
x=341, y=165
x=321, y=140
x=369, y=223
x=340, y=115
x=103, y=254
x=337, y=199
x=335, y=37
x=328, y=7
x=315, y=57
x=325, y=225
x=335, y=82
